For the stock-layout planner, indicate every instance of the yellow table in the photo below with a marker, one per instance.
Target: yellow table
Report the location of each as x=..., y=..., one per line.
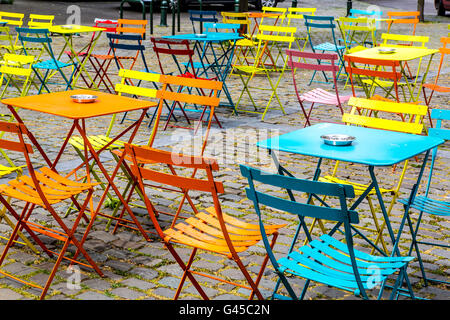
x=67, y=32
x=403, y=54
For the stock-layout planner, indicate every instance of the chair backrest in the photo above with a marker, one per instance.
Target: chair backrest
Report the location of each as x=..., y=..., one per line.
x=36, y=36
x=240, y=18
x=404, y=17
x=222, y=27
x=386, y=111
x=400, y=40
x=439, y=131
x=18, y=130
x=320, y=24
x=177, y=163
x=271, y=35
x=107, y=24
x=179, y=50
x=129, y=44
x=17, y=67
x=278, y=17
x=201, y=17
x=362, y=69
x=40, y=20
x=444, y=50
x=13, y=19
x=132, y=26
x=357, y=31
x=366, y=13
x=295, y=16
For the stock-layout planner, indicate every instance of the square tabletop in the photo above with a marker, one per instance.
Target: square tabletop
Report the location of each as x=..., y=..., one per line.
x=73, y=28
x=401, y=53
x=371, y=147
x=60, y=104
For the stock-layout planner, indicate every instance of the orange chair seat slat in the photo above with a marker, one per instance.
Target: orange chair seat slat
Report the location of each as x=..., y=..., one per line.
x=436, y=87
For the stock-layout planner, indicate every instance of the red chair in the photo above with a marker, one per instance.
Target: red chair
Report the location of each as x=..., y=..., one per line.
x=325, y=62
x=185, y=67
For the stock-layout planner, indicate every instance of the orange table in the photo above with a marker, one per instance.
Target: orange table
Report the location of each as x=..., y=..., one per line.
x=60, y=104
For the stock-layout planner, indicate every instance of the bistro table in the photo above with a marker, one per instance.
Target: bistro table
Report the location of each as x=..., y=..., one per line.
x=221, y=66
x=60, y=104
x=371, y=148
x=403, y=54
x=68, y=32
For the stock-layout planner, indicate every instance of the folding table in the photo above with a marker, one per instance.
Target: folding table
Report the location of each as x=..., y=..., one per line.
x=372, y=148
x=60, y=104
x=67, y=32
x=403, y=55
x=221, y=65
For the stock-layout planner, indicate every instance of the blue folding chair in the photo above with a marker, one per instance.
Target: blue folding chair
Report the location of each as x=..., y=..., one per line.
x=325, y=260
x=320, y=24
x=424, y=203
x=52, y=66
x=202, y=16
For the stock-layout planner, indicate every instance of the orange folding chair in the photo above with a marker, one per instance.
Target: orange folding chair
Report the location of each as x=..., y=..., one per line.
x=371, y=74
x=403, y=17
x=44, y=188
x=213, y=231
x=444, y=50
x=200, y=137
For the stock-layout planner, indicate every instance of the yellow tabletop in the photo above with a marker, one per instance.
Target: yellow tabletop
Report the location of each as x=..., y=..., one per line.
x=73, y=28
x=400, y=54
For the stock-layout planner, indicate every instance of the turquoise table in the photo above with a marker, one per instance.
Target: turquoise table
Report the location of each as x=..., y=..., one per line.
x=204, y=46
x=372, y=147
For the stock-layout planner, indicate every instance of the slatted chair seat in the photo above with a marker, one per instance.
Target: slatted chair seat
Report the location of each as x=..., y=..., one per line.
x=327, y=261
x=319, y=95
x=55, y=187
x=431, y=206
x=327, y=46
x=98, y=142
x=358, y=187
x=50, y=64
x=203, y=232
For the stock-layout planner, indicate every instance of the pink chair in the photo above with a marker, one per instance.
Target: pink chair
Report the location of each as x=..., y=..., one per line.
x=325, y=63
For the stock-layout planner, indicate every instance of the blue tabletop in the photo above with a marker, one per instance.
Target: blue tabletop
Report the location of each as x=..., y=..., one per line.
x=372, y=147
x=210, y=36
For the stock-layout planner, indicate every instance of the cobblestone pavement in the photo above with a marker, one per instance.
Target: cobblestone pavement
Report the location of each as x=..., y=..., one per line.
x=138, y=270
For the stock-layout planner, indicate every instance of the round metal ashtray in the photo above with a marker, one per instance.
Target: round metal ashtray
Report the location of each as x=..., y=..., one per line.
x=386, y=50
x=337, y=139
x=83, y=98
x=200, y=35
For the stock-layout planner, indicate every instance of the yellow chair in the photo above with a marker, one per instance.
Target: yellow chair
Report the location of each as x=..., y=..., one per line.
x=278, y=19
x=384, y=115
x=40, y=21
x=13, y=20
x=15, y=68
x=243, y=47
x=6, y=42
x=357, y=33
x=268, y=34
x=295, y=19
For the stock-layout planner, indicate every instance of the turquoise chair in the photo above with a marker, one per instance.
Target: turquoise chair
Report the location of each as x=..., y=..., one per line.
x=201, y=17
x=425, y=204
x=50, y=66
x=325, y=260
x=322, y=25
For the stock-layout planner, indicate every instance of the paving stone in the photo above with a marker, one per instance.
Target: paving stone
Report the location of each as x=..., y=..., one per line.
x=127, y=293
x=8, y=294
x=97, y=284
x=145, y=273
x=137, y=283
x=92, y=295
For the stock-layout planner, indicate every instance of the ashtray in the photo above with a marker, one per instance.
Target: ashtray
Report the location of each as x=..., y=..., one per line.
x=337, y=139
x=83, y=98
x=200, y=35
x=386, y=50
